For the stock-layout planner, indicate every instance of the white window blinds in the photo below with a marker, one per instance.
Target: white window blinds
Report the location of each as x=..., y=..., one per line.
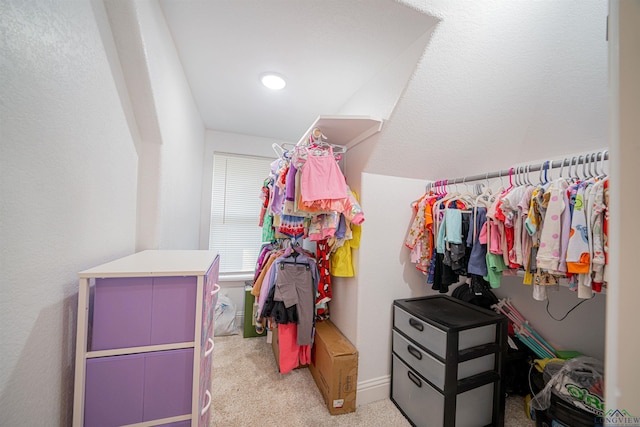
x=235, y=210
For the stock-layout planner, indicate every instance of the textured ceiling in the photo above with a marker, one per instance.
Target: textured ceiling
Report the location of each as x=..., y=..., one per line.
x=327, y=50
x=500, y=83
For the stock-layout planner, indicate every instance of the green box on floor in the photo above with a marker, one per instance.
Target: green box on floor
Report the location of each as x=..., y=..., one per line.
x=249, y=330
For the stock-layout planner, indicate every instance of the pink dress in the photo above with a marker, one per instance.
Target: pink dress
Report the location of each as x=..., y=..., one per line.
x=322, y=178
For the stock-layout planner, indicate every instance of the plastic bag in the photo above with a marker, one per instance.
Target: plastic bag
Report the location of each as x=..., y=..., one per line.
x=225, y=317
x=579, y=381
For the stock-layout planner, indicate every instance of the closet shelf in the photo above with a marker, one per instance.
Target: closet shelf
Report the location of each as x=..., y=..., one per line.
x=345, y=130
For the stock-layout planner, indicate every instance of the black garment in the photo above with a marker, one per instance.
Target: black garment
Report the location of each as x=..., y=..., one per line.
x=278, y=311
x=460, y=253
x=443, y=275
x=478, y=292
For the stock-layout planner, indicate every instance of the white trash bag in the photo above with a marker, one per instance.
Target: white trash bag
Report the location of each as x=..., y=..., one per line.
x=225, y=317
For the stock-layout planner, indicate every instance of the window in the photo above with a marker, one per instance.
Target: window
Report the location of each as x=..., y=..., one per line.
x=235, y=210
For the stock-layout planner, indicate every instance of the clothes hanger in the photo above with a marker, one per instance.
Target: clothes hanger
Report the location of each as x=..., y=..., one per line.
x=589, y=166
x=278, y=150
x=510, y=187
x=483, y=198
x=585, y=162
x=542, y=175
x=594, y=161
x=520, y=176
x=500, y=189
x=581, y=161
x=465, y=197
x=603, y=172
x=452, y=195
x=547, y=172
x=562, y=168
x=572, y=177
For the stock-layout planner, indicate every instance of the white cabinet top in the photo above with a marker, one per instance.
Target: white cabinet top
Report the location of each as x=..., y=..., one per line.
x=345, y=130
x=155, y=263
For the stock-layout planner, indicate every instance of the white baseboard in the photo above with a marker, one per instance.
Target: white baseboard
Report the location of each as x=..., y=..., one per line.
x=240, y=318
x=372, y=390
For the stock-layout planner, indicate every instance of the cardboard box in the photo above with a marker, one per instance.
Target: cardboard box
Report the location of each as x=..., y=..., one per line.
x=334, y=367
x=276, y=349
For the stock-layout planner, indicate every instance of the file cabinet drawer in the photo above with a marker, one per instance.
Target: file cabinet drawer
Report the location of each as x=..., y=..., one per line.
x=431, y=368
x=425, y=406
x=435, y=339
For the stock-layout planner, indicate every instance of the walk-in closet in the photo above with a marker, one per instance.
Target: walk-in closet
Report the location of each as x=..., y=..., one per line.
x=304, y=213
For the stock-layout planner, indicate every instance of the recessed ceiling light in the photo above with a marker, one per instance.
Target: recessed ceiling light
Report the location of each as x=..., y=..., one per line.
x=273, y=81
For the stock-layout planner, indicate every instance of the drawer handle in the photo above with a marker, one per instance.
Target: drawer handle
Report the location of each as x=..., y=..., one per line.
x=414, y=378
x=206, y=407
x=419, y=326
x=216, y=289
x=414, y=352
x=208, y=351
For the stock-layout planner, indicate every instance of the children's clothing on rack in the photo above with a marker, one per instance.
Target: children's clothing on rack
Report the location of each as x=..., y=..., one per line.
x=552, y=230
x=285, y=286
x=306, y=197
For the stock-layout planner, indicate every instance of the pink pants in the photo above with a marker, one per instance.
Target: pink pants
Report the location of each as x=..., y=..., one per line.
x=291, y=354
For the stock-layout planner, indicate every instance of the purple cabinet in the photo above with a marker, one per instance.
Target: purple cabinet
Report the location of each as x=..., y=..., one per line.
x=121, y=313
x=145, y=340
x=134, y=312
x=173, y=310
x=114, y=391
x=139, y=387
x=168, y=383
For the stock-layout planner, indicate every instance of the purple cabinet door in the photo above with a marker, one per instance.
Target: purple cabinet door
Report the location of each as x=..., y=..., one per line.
x=121, y=313
x=168, y=384
x=114, y=391
x=205, y=391
x=173, y=314
x=133, y=312
x=209, y=299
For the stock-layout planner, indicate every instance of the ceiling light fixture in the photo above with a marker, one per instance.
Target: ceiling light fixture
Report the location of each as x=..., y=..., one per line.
x=273, y=81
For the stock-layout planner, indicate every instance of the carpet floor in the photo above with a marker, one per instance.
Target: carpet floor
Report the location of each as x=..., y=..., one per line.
x=248, y=390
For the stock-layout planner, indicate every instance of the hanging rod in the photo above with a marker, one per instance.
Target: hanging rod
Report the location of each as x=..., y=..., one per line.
x=567, y=161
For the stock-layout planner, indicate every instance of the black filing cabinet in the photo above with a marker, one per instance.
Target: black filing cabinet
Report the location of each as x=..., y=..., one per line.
x=447, y=360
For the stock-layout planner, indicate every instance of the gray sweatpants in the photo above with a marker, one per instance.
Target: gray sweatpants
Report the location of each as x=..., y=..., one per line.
x=294, y=286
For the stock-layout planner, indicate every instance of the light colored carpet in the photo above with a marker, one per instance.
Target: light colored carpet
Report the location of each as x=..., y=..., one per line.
x=248, y=390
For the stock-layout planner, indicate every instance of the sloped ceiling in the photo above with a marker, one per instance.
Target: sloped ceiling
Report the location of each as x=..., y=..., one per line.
x=500, y=83
x=465, y=87
x=327, y=50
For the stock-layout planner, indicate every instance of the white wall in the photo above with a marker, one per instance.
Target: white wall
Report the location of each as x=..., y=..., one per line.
x=384, y=274
x=68, y=170
x=500, y=83
x=583, y=329
x=182, y=133
x=622, y=372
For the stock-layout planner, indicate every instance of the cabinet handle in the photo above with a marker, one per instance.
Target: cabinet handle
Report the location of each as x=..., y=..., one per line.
x=206, y=407
x=209, y=350
x=414, y=378
x=414, y=352
x=216, y=289
x=419, y=326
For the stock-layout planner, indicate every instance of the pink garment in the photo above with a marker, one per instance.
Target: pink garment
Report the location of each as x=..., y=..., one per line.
x=322, y=178
x=493, y=233
x=290, y=353
x=288, y=347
